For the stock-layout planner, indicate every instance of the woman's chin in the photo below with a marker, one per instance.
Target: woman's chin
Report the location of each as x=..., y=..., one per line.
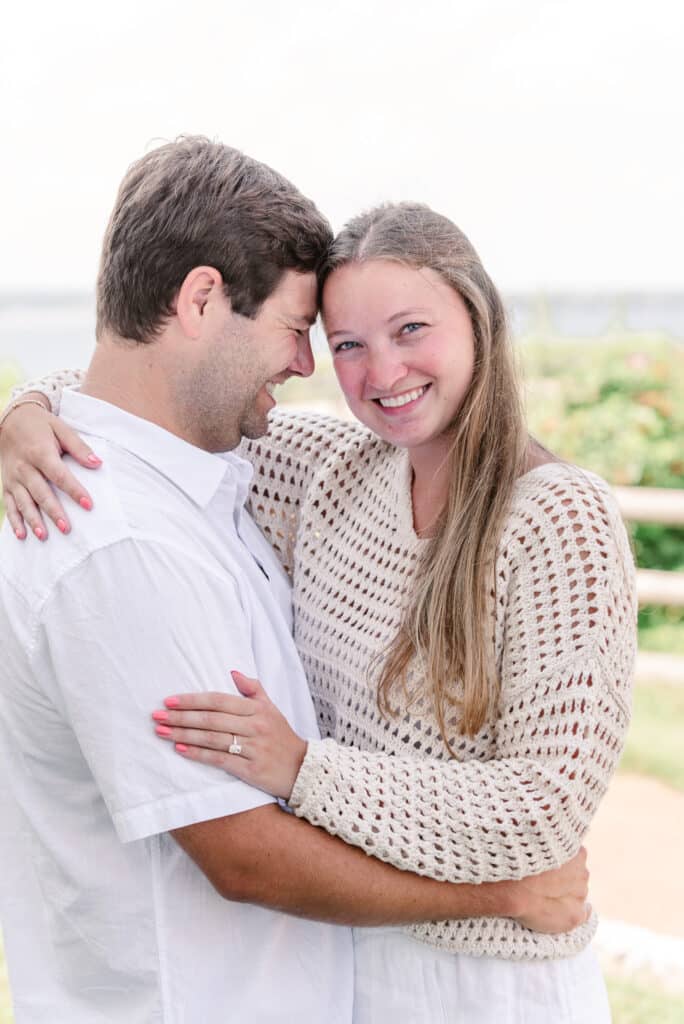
x=403, y=434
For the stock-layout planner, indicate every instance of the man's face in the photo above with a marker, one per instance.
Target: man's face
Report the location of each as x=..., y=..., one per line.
x=246, y=359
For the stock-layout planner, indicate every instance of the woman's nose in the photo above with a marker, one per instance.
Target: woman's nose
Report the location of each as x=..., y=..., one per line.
x=384, y=372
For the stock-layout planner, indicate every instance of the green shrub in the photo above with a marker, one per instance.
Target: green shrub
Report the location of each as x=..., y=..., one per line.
x=9, y=376
x=617, y=407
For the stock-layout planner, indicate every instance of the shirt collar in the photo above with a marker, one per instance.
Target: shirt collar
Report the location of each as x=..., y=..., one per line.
x=196, y=472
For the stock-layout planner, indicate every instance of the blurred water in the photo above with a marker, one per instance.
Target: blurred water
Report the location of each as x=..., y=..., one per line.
x=39, y=333
x=580, y=315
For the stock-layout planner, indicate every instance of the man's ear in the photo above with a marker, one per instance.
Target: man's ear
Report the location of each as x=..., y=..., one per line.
x=200, y=287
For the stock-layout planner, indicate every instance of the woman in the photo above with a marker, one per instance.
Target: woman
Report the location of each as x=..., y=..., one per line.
x=465, y=614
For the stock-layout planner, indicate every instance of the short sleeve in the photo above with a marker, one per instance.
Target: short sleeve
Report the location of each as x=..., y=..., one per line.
x=136, y=622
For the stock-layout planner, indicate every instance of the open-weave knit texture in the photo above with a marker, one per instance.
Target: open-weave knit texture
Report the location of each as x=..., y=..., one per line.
x=335, y=502
x=51, y=386
x=518, y=798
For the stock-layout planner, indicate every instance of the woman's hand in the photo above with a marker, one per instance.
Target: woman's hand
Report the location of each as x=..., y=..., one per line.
x=32, y=444
x=246, y=736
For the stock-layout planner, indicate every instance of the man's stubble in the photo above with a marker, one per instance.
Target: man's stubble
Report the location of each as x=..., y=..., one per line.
x=218, y=395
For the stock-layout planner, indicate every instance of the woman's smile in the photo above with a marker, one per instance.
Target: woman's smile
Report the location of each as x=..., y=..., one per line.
x=404, y=402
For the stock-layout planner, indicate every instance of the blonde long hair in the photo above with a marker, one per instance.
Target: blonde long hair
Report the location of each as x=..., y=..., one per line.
x=448, y=625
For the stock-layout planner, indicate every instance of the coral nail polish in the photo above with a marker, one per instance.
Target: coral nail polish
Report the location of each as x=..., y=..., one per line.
x=85, y=503
x=172, y=702
x=40, y=533
x=181, y=748
x=94, y=460
x=160, y=716
x=62, y=526
x=163, y=730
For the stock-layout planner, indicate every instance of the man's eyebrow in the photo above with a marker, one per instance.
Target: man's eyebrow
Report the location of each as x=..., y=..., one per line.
x=307, y=319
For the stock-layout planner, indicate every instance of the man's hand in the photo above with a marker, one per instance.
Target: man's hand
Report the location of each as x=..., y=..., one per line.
x=31, y=447
x=555, y=901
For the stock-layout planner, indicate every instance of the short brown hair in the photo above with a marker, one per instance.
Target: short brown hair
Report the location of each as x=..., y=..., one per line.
x=194, y=202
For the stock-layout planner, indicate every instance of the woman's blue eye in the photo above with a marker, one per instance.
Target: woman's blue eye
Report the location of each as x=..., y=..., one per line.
x=412, y=327
x=345, y=346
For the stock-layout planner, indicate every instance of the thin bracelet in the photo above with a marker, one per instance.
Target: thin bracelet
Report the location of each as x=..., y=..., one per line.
x=15, y=405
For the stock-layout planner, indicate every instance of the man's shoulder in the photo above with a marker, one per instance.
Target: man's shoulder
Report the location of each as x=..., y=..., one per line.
x=131, y=502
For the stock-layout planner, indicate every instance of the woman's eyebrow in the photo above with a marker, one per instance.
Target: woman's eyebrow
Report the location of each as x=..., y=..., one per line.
x=335, y=333
x=406, y=312
x=413, y=311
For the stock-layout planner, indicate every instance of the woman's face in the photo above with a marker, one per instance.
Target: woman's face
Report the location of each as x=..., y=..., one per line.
x=403, y=348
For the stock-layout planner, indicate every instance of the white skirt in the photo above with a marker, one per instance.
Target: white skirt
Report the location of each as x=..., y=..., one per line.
x=399, y=980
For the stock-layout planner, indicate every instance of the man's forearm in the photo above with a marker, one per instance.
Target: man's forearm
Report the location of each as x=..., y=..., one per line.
x=276, y=860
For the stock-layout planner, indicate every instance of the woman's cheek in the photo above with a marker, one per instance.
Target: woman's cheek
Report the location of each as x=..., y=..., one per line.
x=348, y=378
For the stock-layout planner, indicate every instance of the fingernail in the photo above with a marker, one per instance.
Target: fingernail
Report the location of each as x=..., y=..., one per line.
x=181, y=748
x=40, y=533
x=160, y=716
x=62, y=525
x=94, y=460
x=85, y=503
x=172, y=702
x=20, y=534
x=163, y=730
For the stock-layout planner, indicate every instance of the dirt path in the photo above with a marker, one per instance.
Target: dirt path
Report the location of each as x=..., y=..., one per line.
x=636, y=855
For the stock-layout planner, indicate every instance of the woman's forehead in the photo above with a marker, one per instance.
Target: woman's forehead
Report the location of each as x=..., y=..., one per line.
x=383, y=288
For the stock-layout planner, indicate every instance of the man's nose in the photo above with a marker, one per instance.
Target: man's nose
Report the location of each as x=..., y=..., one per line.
x=303, y=363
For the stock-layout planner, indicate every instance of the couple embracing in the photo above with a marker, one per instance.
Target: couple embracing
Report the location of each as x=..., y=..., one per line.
x=301, y=720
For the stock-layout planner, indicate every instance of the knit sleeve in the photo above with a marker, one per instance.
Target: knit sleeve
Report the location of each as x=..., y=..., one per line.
x=51, y=386
x=566, y=616
x=285, y=463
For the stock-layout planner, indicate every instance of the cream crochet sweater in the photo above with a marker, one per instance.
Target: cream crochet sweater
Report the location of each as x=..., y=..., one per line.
x=334, y=501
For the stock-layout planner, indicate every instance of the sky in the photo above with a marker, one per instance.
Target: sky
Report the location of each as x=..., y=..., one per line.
x=550, y=131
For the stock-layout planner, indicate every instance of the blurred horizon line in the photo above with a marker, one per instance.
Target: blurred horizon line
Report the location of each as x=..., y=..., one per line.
x=64, y=296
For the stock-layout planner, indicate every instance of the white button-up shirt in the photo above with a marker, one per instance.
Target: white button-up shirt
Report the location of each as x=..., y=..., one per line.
x=165, y=588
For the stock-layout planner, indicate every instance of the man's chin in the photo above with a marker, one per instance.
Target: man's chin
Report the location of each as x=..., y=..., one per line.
x=254, y=428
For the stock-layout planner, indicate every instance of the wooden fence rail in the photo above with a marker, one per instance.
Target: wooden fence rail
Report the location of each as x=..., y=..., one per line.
x=665, y=507
x=654, y=587
x=651, y=505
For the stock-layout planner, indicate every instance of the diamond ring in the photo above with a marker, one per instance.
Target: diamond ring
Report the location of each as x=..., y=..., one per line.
x=235, y=747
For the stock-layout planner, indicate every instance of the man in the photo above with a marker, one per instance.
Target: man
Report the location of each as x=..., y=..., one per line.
x=138, y=886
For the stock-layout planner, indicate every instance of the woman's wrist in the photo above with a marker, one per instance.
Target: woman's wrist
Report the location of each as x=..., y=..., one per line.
x=29, y=398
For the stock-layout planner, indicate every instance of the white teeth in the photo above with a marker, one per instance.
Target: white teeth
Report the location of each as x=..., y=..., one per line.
x=408, y=396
